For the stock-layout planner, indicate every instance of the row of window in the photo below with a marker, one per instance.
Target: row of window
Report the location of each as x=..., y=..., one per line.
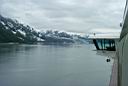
x=105, y=44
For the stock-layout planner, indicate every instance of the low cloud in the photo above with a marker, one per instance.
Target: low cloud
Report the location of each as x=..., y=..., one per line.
x=70, y=15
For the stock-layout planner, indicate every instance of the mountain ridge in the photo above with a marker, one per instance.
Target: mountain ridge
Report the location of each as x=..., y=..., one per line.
x=13, y=31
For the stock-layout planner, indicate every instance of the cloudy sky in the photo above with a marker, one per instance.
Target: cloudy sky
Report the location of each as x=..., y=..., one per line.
x=70, y=15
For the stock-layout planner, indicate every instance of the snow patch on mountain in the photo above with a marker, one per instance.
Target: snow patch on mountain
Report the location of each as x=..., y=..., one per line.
x=22, y=32
x=2, y=23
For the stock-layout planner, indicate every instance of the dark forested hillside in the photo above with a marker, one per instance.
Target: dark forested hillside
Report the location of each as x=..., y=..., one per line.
x=13, y=31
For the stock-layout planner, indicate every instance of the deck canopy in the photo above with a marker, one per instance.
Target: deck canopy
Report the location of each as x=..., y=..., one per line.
x=104, y=41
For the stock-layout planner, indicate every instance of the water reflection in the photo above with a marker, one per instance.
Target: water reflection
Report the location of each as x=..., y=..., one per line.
x=11, y=51
x=12, y=48
x=109, y=54
x=52, y=65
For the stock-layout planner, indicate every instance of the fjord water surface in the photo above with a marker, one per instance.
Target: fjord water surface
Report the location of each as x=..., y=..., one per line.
x=52, y=65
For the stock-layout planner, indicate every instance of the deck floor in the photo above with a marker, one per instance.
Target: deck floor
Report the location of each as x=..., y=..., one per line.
x=114, y=76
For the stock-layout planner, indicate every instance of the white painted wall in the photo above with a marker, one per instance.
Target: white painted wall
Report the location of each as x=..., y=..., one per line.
x=122, y=53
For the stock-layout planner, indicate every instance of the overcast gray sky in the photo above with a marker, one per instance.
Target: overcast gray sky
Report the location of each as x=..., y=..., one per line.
x=70, y=15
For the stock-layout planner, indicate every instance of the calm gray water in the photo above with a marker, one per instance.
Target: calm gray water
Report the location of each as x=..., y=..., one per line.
x=52, y=65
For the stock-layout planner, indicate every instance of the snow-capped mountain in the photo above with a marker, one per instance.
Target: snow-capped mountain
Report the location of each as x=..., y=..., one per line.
x=13, y=31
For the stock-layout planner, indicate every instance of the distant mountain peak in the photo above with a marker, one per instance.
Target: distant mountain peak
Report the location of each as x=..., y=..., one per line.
x=13, y=31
